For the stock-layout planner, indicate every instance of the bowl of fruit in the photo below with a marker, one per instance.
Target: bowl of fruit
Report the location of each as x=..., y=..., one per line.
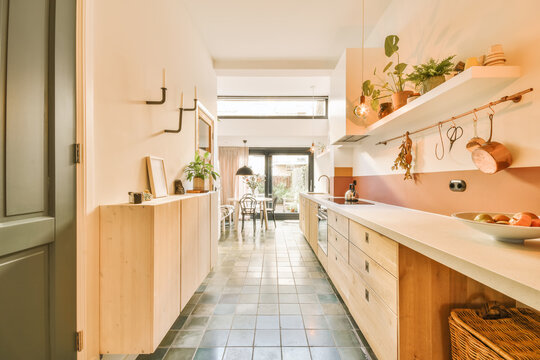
x=512, y=228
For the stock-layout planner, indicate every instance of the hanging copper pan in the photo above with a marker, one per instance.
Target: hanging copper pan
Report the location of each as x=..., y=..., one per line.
x=491, y=157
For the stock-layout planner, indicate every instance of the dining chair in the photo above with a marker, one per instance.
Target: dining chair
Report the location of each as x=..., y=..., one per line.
x=270, y=209
x=248, y=206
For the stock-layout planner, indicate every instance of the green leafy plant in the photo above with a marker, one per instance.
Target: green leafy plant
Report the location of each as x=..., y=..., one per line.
x=200, y=168
x=431, y=69
x=395, y=73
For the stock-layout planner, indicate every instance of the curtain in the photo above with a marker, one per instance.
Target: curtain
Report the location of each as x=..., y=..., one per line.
x=230, y=160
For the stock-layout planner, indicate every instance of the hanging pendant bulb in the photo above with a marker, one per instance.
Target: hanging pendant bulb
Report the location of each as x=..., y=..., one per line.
x=244, y=170
x=362, y=110
x=312, y=148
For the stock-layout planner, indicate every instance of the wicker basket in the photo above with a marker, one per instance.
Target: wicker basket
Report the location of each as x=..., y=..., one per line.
x=514, y=337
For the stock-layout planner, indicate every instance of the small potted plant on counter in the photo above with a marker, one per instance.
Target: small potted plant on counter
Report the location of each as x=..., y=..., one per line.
x=199, y=170
x=431, y=74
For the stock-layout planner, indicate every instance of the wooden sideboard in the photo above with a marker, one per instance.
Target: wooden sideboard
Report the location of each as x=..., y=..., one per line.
x=399, y=298
x=153, y=257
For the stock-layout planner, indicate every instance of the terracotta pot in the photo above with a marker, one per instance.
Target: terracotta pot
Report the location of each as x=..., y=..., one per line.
x=400, y=98
x=432, y=83
x=198, y=184
x=385, y=108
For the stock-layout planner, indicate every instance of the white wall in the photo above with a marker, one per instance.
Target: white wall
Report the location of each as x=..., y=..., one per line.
x=466, y=28
x=127, y=43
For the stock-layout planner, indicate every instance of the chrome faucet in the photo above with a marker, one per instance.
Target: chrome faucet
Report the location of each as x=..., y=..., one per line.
x=327, y=182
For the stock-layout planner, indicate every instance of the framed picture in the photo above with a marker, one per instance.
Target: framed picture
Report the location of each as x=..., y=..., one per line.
x=156, y=174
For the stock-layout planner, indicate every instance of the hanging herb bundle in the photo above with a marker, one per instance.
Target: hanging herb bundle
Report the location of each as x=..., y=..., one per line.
x=404, y=158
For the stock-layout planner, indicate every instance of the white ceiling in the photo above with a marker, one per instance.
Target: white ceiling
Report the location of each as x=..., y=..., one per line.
x=291, y=34
x=273, y=85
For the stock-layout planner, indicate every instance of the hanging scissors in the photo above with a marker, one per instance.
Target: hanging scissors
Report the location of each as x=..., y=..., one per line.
x=454, y=133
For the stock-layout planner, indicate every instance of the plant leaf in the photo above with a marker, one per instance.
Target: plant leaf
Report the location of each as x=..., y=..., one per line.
x=400, y=68
x=390, y=45
x=388, y=66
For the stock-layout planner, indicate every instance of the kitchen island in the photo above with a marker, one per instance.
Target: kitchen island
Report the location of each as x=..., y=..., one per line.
x=400, y=272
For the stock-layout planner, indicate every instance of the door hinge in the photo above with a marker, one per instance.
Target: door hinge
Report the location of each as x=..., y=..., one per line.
x=79, y=341
x=77, y=153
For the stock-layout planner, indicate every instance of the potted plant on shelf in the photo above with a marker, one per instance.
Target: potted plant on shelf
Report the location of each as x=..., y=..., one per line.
x=369, y=89
x=395, y=86
x=199, y=170
x=431, y=74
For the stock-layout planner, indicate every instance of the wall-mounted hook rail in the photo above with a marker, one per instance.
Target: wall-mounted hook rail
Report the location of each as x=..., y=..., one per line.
x=180, y=118
x=163, y=98
x=514, y=98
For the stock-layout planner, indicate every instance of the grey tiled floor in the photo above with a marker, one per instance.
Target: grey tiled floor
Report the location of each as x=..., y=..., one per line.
x=268, y=298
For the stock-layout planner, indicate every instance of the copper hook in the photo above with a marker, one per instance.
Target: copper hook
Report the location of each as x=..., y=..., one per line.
x=492, y=111
x=437, y=145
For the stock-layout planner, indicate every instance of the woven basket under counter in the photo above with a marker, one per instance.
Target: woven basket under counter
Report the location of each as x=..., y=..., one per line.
x=516, y=337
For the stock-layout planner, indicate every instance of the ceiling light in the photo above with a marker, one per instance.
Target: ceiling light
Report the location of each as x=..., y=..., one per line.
x=244, y=170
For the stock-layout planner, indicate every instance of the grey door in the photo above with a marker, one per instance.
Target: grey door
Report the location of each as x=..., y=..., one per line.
x=37, y=180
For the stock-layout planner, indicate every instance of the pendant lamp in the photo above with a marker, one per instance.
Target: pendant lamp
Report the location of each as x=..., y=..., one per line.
x=312, y=148
x=244, y=170
x=362, y=110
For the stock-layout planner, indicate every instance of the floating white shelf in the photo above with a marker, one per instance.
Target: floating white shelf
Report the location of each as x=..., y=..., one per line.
x=474, y=82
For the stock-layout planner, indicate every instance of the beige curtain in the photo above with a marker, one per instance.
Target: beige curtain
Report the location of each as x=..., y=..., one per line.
x=230, y=160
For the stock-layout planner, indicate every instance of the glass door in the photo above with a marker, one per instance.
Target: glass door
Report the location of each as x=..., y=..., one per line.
x=288, y=172
x=290, y=177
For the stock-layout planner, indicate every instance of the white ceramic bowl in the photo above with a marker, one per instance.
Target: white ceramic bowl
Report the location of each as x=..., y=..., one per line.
x=507, y=233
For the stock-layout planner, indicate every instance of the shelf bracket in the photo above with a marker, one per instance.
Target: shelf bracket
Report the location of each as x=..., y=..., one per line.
x=180, y=116
x=163, y=98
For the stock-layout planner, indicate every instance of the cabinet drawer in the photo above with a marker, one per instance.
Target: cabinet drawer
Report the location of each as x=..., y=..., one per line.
x=339, y=242
x=339, y=272
x=339, y=222
x=378, y=247
x=376, y=321
x=376, y=277
x=323, y=258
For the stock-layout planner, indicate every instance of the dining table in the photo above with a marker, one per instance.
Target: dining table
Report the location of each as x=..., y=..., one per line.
x=261, y=200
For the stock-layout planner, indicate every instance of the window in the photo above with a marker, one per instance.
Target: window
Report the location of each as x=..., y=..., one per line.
x=274, y=107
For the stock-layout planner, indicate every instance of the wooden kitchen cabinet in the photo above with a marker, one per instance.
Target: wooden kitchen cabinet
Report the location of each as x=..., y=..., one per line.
x=153, y=257
x=139, y=275
x=313, y=225
x=215, y=228
x=189, y=251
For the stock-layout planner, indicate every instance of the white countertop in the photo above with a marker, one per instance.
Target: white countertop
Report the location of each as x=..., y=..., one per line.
x=513, y=269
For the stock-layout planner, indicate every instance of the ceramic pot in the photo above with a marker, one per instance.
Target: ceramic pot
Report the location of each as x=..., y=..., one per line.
x=400, y=98
x=432, y=82
x=385, y=108
x=198, y=184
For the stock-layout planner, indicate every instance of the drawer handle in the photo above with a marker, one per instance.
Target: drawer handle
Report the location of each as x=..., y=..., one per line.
x=367, y=238
x=336, y=239
x=366, y=293
x=366, y=266
x=336, y=258
x=336, y=218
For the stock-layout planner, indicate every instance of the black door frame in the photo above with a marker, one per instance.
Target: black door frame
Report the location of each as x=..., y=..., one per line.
x=268, y=152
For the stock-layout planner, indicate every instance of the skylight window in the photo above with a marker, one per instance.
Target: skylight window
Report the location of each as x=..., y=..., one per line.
x=275, y=107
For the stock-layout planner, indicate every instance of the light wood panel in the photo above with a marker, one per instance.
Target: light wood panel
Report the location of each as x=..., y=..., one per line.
x=378, y=278
x=204, y=239
x=340, y=272
x=339, y=242
x=374, y=318
x=428, y=291
x=313, y=225
x=339, y=222
x=189, y=250
x=323, y=258
x=214, y=225
x=166, y=264
x=139, y=287
x=343, y=171
x=378, y=247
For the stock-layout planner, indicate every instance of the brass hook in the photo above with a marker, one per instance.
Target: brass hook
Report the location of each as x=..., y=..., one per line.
x=492, y=111
x=437, y=145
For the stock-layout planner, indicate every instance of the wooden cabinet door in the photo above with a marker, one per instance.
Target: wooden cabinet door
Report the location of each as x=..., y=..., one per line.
x=313, y=225
x=189, y=249
x=204, y=238
x=215, y=228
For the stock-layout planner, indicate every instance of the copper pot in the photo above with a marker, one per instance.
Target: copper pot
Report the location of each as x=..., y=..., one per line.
x=491, y=157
